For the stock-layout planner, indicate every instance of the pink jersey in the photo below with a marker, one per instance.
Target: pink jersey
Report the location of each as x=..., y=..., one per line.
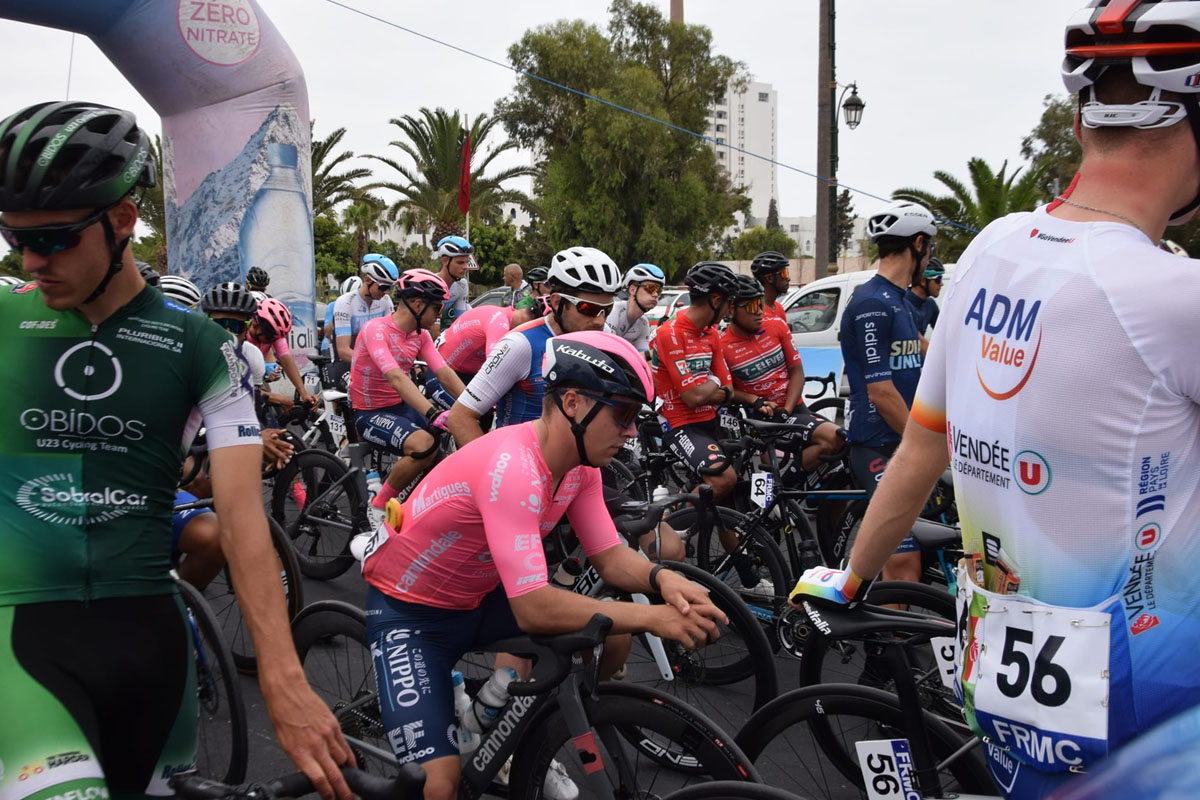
x=280, y=346
x=473, y=335
x=478, y=520
x=382, y=347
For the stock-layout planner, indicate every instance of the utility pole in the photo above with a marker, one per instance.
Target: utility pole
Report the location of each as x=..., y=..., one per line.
x=824, y=251
x=677, y=11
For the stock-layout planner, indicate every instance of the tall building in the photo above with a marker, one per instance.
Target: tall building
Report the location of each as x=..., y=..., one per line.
x=747, y=119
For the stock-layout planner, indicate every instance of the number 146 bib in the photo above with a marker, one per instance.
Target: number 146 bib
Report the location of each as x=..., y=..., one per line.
x=1034, y=678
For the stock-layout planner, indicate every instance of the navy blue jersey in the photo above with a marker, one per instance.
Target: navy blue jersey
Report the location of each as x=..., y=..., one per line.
x=924, y=310
x=879, y=343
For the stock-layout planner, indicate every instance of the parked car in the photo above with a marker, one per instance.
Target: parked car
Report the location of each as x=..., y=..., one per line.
x=500, y=296
x=668, y=303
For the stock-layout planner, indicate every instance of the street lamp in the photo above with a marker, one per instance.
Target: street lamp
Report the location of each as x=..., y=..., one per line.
x=852, y=106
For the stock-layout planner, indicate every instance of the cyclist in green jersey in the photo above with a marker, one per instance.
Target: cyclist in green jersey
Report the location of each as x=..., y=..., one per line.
x=96, y=677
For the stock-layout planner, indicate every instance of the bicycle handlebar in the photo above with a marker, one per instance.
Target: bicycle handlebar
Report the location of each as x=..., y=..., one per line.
x=636, y=526
x=828, y=383
x=409, y=784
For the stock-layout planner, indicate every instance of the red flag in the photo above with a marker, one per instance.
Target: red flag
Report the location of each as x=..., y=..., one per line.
x=464, y=178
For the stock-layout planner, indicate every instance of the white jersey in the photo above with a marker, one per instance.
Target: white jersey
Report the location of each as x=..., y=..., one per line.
x=258, y=366
x=637, y=333
x=351, y=312
x=1064, y=373
x=456, y=297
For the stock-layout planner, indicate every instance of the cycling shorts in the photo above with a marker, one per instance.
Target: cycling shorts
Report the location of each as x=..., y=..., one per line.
x=867, y=465
x=415, y=647
x=114, y=677
x=180, y=520
x=696, y=445
x=390, y=427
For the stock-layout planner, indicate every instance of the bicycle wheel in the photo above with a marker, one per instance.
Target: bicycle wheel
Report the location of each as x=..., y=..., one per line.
x=831, y=408
x=331, y=641
x=740, y=661
x=731, y=790
x=221, y=598
x=631, y=721
x=747, y=571
x=317, y=506
x=788, y=751
x=222, y=738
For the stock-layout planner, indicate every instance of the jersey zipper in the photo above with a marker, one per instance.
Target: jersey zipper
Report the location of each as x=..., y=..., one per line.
x=87, y=536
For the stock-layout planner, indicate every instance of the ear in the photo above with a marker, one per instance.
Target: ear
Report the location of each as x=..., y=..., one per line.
x=124, y=217
x=1076, y=128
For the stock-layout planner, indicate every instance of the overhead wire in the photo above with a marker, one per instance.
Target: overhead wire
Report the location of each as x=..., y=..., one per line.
x=625, y=109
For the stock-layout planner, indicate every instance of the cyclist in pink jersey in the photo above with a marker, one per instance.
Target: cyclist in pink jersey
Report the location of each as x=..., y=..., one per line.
x=269, y=328
x=389, y=409
x=466, y=566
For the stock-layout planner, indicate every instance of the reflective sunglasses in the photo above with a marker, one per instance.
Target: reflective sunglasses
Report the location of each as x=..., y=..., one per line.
x=935, y=278
x=49, y=239
x=652, y=288
x=624, y=411
x=234, y=326
x=589, y=308
x=384, y=287
x=752, y=306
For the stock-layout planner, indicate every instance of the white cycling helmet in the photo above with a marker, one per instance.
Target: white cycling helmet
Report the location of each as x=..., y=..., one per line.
x=644, y=273
x=584, y=269
x=259, y=296
x=10, y=280
x=379, y=268
x=351, y=284
x=180, y=290
x=901, y=219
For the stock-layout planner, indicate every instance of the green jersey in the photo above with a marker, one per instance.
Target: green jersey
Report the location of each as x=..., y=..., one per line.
x=96, y=420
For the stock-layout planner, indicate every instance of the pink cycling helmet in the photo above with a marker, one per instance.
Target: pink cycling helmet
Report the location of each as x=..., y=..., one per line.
x=600, y=362
x=274, y=315
x=422, y=284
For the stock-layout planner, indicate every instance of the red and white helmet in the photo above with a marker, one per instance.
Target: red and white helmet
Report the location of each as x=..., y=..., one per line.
x=275, y=315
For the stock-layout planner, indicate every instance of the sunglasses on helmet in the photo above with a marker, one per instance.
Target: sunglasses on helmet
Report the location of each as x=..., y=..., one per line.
x=624, y=411
x=47, y=240
x=589, y=308
x=234, y=326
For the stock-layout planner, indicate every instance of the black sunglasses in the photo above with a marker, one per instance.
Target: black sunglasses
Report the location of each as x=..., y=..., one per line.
x=625, y=411
x=588, y=308
x=49, y=239
x=234, y=326
x=266, y=333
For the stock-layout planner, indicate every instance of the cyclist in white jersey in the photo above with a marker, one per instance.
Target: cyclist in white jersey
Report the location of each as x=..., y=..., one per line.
x=1064, y=396
x=370, y=300
x=644, y=282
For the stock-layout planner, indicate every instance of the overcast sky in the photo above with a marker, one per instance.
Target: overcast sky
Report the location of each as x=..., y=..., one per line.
x=943, y=80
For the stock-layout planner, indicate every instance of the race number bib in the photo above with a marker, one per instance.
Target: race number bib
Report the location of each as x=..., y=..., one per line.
x=887, y=769
x=1034, y=677
x=337, y=426
x=729, y=422
x=762, y=489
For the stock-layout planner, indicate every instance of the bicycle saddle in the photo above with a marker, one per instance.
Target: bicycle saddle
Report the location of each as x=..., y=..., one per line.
x=551, y=654
x=936, y=535
x=837, y=621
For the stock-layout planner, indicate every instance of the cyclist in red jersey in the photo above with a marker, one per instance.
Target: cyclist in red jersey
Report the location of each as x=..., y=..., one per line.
x=466, y=566
x=767, y=372
x=771, y=269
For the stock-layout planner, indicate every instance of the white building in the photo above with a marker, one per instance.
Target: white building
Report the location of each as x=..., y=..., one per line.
x=804, y=231
x=748, y=120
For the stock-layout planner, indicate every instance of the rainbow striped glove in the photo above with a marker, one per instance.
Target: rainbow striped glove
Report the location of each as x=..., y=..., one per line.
x=834, y=585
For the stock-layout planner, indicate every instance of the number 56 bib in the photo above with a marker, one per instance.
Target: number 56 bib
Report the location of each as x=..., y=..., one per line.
x=1034, y=678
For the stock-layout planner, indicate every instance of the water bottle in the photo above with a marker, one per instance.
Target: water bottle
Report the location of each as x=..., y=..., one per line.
x=567, y=573
x=659, y=493
x=468, y=740
x=276, y=234
x=490, y=701
x=374, y=484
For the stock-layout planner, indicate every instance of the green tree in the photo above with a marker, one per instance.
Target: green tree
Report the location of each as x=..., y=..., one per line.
x=11, y=264
x=429, y=187
x=330, y=188
x=772, y=216
x=632, y=187
x=152, y=212
x=365, y=216
x=845, y=220
x=758, y=239
x=496, y=247
x=1052, y=147
x=990, y=196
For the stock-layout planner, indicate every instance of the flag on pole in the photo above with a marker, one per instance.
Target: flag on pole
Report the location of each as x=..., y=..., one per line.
x=464, y=178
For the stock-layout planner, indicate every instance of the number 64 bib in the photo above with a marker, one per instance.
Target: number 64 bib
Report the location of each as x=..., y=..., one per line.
x=1034, y=678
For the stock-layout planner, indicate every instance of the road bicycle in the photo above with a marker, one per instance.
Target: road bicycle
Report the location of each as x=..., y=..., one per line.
x=407, y=784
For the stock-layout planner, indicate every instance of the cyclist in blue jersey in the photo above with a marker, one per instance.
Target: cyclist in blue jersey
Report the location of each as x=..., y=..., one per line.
x=881, y=348
x=356, y=308
x=582, y=281
x=926, y=286
x=325, y=341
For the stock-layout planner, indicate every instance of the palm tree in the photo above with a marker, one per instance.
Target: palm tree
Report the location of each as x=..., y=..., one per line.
x=429, y=188
x=152, y=209
x=329, y=189
x=995, y=195
x=365, y=216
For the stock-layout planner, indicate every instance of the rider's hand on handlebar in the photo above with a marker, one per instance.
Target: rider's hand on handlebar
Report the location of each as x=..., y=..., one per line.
x=690, y=617
x=834, y=585
x=277, y=451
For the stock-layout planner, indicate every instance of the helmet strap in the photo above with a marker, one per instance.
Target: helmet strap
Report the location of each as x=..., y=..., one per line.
x=579, y=428
x=558, y=316
x=633, y=295
x=116, y=250
x=1192, y=105
x=416, y=314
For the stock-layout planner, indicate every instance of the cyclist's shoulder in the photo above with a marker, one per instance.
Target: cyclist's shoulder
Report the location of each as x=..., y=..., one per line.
x=24, y=306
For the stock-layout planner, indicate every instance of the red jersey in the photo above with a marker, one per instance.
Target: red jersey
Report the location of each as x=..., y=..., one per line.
x=684, y=357
x=760, y=364
x=774, y=311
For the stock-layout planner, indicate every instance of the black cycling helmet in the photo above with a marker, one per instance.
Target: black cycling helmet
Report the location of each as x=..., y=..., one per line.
x=149, y=273
x=748, y=288
x=710, y=277
x=934, y=268
x=767, y=263
x=71, y=155
x=229, y=298
x=536, y=275
x=258, y=278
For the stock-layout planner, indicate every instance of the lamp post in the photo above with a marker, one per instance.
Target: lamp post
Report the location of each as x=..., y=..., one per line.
x=825, y=252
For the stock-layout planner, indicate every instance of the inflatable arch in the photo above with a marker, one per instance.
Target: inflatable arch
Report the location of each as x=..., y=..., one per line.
x=236, y=148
